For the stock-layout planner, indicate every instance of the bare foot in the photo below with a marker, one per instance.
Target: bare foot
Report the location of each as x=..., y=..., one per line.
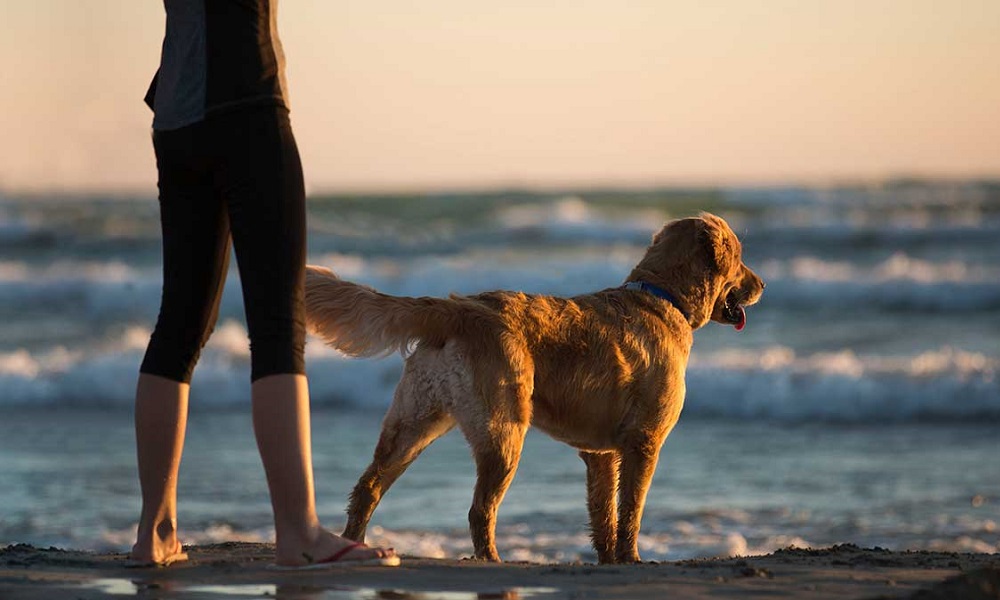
x=325, y=545
x=157, y=549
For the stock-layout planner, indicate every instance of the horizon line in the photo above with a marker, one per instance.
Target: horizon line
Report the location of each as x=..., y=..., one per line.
x=550, y=187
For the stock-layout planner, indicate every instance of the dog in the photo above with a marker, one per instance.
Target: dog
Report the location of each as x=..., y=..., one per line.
x=602, y=372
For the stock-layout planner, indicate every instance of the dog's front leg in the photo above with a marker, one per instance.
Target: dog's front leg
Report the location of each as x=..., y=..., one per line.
x=636, y=472
x=602, y=503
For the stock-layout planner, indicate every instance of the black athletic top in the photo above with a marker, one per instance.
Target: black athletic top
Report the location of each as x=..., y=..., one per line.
x=217, y=55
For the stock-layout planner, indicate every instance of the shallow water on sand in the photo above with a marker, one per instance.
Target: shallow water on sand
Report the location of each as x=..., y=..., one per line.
x=722, y=487
x=286, y=591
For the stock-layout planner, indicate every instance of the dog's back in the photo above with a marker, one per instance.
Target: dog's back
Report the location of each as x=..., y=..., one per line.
x=601, y=341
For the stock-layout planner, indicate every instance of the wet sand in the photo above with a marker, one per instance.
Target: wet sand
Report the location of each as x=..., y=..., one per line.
x=239, y=570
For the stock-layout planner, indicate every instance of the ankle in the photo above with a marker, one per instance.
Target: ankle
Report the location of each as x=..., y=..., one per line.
x=166, y=529
x=158, y=534
x=297, y=538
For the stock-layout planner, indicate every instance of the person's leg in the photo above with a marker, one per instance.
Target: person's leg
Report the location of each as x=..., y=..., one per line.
x=195, y=233
x=281, y=424
x=265, y=194
x=160, y=423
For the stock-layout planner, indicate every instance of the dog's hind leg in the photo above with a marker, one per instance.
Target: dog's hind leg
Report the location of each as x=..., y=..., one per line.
x=497, y=450
x=405, y=434
x=602, y=501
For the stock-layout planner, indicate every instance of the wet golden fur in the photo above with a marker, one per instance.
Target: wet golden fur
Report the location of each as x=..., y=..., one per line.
x=603, y=372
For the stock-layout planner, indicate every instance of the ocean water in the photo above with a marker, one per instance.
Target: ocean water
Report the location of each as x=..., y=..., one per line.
x=861, y=403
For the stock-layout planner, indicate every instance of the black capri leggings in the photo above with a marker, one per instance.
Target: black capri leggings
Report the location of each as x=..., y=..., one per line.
x=234, y=176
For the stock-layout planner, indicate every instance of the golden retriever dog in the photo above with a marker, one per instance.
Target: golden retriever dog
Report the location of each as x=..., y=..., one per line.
x=602, y=372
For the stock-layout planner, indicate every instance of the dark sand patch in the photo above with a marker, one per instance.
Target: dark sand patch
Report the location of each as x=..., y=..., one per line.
x=239, y=570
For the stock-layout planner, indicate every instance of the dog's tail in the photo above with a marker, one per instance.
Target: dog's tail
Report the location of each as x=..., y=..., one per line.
x=359, y=321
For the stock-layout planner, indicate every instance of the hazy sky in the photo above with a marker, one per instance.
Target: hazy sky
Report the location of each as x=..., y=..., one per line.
x=446, y=93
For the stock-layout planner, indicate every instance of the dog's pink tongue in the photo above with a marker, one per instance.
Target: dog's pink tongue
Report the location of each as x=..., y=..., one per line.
x=743, y=319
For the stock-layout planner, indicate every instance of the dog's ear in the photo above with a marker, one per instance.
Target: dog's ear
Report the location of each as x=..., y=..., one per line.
x=679, y=229
x=659, y=235
x=718, y=242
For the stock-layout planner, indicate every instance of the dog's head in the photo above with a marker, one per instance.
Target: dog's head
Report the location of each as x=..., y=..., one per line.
x=699, y=262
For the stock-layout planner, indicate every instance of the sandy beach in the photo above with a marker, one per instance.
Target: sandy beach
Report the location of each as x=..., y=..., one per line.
x=240, y=570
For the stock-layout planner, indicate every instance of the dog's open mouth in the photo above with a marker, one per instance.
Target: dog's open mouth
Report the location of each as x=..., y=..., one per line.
x=733, y=311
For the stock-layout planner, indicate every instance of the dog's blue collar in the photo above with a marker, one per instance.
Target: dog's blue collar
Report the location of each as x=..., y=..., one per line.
x=658, y=292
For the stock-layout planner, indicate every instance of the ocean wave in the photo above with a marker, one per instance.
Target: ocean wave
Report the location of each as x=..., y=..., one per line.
x=516, y=543
x=118, y=290
x=896, y=268
x=93, y=291
x=858, y=298
x=95, y=271
x=571, y=219
x=19, y=234
x=882, y=196
x=681, y=537
x=772, y=384
x=457, y=224
x=776, y=383
x=115, y=294
x=841, y=237
x=570, y=225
